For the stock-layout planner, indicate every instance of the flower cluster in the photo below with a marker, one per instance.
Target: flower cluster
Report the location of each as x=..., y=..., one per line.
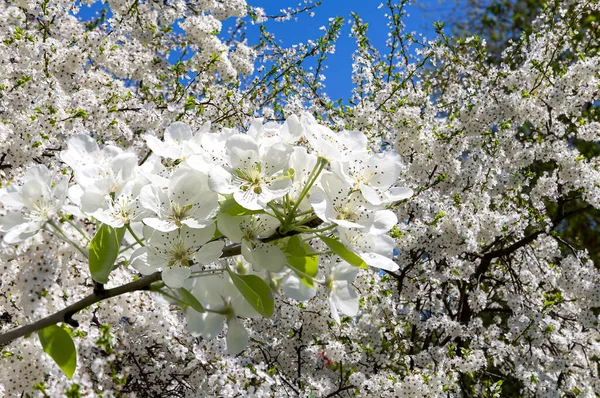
x=281, y=202
x=131, y=159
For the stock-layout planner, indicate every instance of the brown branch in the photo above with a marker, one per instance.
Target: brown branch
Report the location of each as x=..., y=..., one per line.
x=66, y=314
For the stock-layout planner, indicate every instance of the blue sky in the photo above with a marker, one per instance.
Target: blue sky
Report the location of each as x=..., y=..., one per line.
x=304, y=27
x=339, y=80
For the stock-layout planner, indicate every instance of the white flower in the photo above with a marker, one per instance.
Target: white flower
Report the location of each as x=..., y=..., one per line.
x=101, y=171
x=116, y=210
x=373, y=175
x=342, y=296
x=248, y=230
x=210, y=149
x=224, y=303
x=268, y=134
x=254, y=177
x=178, y=142
x=292, y=286
x=376, y=250
x=334, y=202
x=175, y=252
x=34, y=203
x=186, y=201
x=323, y=141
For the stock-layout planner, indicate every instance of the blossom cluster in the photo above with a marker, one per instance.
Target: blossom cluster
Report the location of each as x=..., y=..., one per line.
x=197, y=191
x=490, y=269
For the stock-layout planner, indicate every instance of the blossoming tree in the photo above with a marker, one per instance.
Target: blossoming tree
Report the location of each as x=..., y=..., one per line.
x=218, y=226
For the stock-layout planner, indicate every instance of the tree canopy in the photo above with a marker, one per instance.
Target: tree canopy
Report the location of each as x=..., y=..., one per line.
x=218, y=226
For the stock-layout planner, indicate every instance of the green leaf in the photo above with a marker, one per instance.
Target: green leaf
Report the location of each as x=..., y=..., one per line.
x=301, y=261
x=104, y=249
x=231, y=207
x=256, y=291
x=345, y=254
x=59, y=345
x=191, y=300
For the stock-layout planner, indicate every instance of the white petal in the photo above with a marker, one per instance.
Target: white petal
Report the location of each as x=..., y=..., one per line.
x=335, y=189
x=175, y=276
x=208, y=324
x=81, y=149
x=293, y=287
x=345, y=299
x=154, y=199
x=293, y=128
x=196, y=237
x=353, y=142
x=21, y=232
x=265, y=256
x=384, y=245
x=59, y=190
x=399, y=193
x=157, y=146
x=160, y=225
x=139, y=261
x=123, y=167
x=279, y=187
x=39, y=173
x=242, y=157
x=12, y=200
x=346, y=223
x=320, y=203
x=210, y=252
x=343, y=271
x=383, y=221
x=11, y=220
x=334, y=310
x=249, y=200
x=384, y=171
x=237, y=336
x=74, y=193
x=176, y=133
x=379, y=261
x=230, y=226
x=92, y=202
x=107, y=219
x=209, y=290
x=220, y=180
x=33, y=192
x=276, y=158
x=370, y=194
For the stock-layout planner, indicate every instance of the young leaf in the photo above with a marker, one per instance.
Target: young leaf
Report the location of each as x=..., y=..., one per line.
x=305, y=267
x=301, y=261
x=59, y=345
x=104, y=249
x=256, y=291
x=345, y=254
x=190, y=299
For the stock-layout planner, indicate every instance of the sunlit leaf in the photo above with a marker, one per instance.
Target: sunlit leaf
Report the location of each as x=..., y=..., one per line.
x=104, y=249
x=256, y=291
x=60, y=346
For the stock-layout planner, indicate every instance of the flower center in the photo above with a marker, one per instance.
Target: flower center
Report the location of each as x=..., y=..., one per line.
x=179, y=213
x=180, y=255
x=251, y=178
x=40, y=210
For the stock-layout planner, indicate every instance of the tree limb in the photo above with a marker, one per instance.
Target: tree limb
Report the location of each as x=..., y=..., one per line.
x=66, y=314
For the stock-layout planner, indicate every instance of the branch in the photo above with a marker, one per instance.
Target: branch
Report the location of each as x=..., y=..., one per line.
x=65, y=315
